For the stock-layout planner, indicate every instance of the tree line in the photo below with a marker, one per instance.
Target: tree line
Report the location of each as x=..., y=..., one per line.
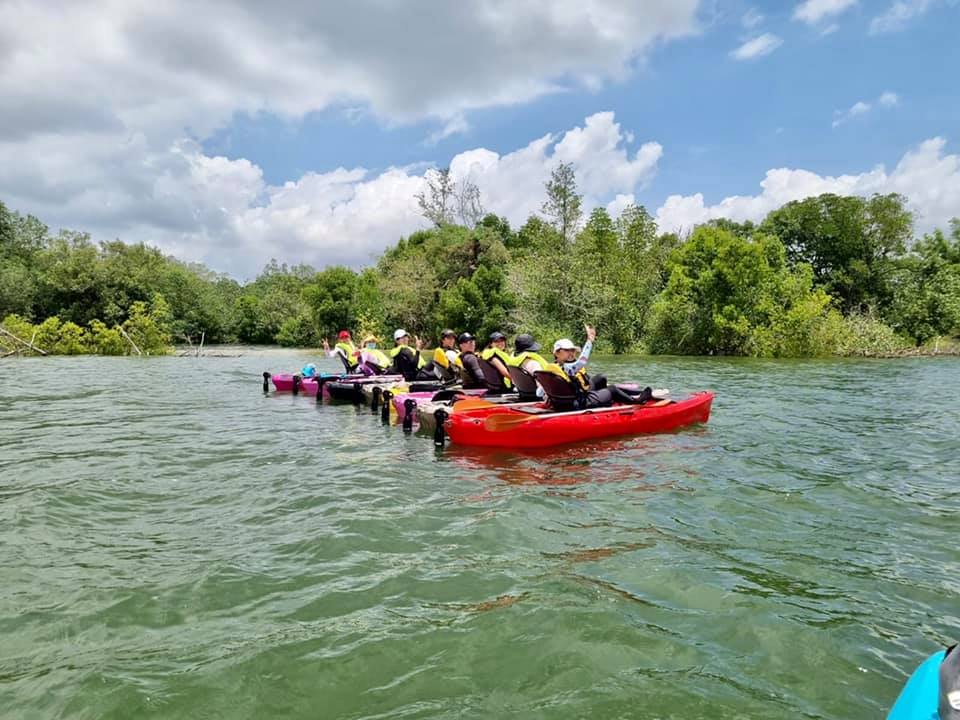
x=824, y=275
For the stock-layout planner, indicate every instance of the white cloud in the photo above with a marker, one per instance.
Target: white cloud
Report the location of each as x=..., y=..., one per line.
x=757, y=47
x=858, y=108
x=898, y=15
x=751, y=18
x=103, y=102
x=165, y=66
x=619, y=204
x=886, y=100
x=813, y=11
x=222, y=212
x=928, y=178
x=456, y=125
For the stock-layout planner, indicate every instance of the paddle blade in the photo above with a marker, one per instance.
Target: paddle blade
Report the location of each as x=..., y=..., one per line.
x=472, y=404
x=502, y=422
x=658, y=403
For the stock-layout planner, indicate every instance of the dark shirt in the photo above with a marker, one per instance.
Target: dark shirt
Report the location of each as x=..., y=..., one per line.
x=473, y=376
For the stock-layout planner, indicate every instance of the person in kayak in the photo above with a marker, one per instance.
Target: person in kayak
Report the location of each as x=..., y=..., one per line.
x=407, y=360
x=344, y=349
x=443, y=363
x=571, y=366
x=525, y=356
x=495, y=353
x=373, y=361
x=470, y=371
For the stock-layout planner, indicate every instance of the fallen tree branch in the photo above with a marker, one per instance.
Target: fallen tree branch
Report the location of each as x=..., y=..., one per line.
x=129, y=340
x=23, y=342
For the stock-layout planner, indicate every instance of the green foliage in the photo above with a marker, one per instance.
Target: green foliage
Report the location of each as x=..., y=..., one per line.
x=926, y=284
x=104, y=340
x=148, y=325
x=332, y=298
x=733, y=295
x=848, y=241
x=868, y=336
x=774, y=289
x=563, y=204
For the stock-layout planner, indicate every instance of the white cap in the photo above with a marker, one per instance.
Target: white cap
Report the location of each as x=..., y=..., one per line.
x=399, y=333
x=564, y=344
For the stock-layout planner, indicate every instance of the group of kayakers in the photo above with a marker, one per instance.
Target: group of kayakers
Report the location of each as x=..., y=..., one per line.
x=456, y=359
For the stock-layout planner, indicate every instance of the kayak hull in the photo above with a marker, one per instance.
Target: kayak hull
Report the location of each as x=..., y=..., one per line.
x=514, y=428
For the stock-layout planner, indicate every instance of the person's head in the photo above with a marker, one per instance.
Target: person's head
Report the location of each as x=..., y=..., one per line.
x=400, y=337
x=525, y=343
x=448, y=338
x=467, y=342
x=343, y=336
x=370, y=342
x=565, y=351
x=498, y=340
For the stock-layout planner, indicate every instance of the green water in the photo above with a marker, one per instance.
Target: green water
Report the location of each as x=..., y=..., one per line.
x=175, y=544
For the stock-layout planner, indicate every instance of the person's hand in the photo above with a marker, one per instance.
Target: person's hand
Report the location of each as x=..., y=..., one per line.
x=591, y=333
x=418, y=342
x=326, y=345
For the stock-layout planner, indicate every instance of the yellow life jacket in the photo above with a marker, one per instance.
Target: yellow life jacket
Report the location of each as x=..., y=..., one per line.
x=519, y=360
x=379, y=357
x=494, y=352
x=349, y=351
x=580, y=380
x=440, y=357
x=400, y=348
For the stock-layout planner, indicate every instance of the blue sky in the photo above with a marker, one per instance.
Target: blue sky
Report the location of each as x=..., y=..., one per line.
x=277, y=136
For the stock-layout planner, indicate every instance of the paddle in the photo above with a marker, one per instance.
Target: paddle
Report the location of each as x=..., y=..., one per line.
x=501, y=422
x=473, y=404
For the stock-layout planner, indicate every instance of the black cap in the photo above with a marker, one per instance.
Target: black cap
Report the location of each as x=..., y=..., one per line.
x=494, y=336
x=465, y=337
x=525, y=342
x=448, y=333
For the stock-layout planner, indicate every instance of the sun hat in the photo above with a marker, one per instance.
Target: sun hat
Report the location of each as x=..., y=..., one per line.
x=399, y=333
x=564, y=344
x=370, y=339
x=524, y=342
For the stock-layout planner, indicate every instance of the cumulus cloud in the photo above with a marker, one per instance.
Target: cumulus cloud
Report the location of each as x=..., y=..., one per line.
x=222, y=211
x=898, y=15
x=757, y=47
x=180, y=64
x=813, y=11
x=886, y=100
x=104, y=103
x=926, y=175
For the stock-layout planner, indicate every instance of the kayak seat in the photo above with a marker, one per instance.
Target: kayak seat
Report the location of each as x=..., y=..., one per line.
x=492, y=377
x=523, y=382
x=351, y=369
x=559, y=392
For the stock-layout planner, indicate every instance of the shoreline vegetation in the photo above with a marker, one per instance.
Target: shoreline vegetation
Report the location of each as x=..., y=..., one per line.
x=824, y=276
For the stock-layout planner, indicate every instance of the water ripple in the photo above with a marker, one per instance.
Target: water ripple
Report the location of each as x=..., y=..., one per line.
x=173, y=543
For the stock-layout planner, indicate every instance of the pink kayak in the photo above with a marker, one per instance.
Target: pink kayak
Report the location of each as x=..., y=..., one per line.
x=295, y=383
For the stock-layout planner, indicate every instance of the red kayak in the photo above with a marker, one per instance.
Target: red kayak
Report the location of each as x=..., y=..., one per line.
x=536, y=426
